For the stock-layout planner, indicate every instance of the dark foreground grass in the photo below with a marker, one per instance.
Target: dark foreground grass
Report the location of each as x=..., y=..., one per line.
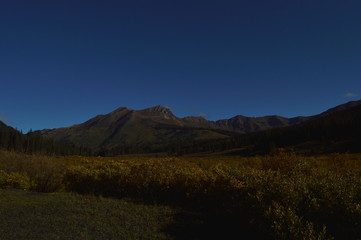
x=33, y=215
x=281, y=196
x=29, y=215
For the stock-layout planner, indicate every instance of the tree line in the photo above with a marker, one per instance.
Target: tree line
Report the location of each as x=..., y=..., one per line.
x=33, y=143
x=337, y=132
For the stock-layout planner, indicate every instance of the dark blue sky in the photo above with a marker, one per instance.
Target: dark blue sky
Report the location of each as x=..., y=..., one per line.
x=63, y=62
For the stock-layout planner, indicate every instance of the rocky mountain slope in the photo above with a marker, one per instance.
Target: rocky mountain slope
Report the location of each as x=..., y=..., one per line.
x=157, y=125
x=125, y=127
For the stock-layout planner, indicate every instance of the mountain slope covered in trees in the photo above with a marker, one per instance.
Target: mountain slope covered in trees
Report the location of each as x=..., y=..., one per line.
x=157, y=129
x=32, y=143
x=336, y=130
x=126, y=130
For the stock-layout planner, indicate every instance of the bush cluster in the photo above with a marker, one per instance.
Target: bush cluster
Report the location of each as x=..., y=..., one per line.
x=14, y=180
x=285, y=197
x=44, y=173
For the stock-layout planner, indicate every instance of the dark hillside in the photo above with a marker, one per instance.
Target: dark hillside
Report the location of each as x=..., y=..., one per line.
x=338, y=131
x=137, y=131
x=13, y=140
x=157, y=129
x=128, y=131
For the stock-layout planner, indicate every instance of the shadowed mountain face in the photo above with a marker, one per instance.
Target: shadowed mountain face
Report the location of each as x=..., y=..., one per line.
x=159, y=126
x=337, y=130
x=2, y=125
x=341, y=107
x=31, y=143
x=124, y=126
x=247, y=124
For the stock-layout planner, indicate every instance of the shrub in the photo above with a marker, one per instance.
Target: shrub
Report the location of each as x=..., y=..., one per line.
x=284, y=195
x=286, y=224
x=47, y=174
x=14, y=180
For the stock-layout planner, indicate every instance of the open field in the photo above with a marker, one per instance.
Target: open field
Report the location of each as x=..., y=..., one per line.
x=281, y=196
x=30, y=215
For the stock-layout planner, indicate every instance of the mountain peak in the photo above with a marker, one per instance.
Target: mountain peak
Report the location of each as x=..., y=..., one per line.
x=119, y=109
x=158, y=108
x=341, y=107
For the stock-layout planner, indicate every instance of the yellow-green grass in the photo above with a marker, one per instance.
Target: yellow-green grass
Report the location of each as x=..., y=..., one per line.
x=281, y=196
x=30, y=215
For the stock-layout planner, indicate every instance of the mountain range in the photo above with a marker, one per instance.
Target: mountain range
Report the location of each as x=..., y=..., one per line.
x=125, y=128
x=337, y=130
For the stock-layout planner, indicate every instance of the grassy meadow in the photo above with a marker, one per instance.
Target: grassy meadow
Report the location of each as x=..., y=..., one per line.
x=44, y=216
x=280, y=196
